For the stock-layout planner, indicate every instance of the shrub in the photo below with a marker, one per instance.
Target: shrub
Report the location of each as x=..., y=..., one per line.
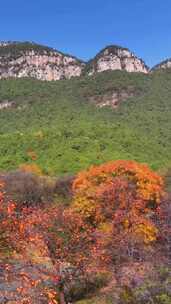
x=86, y=285
x=31, y=168
x=24, y=187
x=103, y=190
x=63, y=188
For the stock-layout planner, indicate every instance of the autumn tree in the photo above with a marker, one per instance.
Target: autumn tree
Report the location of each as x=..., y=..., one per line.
x=118, y=177
x=119, y=199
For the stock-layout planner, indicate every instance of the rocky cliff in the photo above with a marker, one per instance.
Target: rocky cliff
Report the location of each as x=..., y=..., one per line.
x=166, y=64
x=113, y=98
x=27, y=59
x=33, y=60
x=116, y=58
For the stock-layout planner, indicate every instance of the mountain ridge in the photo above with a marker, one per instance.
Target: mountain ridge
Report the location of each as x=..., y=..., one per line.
x=29, y=59
x=164, y=64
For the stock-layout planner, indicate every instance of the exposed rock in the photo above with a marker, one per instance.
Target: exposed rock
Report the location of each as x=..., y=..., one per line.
x=4, y=43
x=113, y=98
x=27, y=59
x=32, y=60
x=166, y=64
x=116, y=58
x=6, y=104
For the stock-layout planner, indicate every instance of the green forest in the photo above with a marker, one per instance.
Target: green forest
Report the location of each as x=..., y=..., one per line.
x=66, y=132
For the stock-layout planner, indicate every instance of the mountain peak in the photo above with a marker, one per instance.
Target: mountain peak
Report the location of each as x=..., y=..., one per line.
x=114, y=57
x=165, y=64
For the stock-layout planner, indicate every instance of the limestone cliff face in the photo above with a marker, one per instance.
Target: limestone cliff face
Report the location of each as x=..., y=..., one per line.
x=31, y=60
x=166, y=64
x=116, y=58
x=27, y=59
x=113, y=98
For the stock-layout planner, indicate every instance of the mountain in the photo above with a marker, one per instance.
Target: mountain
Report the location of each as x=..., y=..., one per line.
x=116, y=58
x=165, y=64
x=115, y=109
x=27, y=59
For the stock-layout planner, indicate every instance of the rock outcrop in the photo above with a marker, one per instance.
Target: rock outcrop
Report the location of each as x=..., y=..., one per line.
x=166, y=64
x=116, y=58
x=27, y=59
x=32, y=60
x=6, y=104
x=114, y=97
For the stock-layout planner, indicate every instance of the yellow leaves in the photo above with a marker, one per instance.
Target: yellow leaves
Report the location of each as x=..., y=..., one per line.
x=126, y=224
x=84, y=207
x=31, y=168
x=51, y=297
x=149, y=184
x=105, y=227
x=146, y=186
x=120, y=193
x=147, y=232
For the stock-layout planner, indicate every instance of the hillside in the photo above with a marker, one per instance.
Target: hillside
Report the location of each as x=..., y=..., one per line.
x=59, y=126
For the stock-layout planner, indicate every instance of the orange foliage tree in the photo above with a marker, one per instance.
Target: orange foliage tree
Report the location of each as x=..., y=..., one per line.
x=120, y=194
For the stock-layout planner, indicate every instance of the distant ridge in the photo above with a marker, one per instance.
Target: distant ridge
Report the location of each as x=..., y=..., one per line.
x=30, y=59
x=165, y=64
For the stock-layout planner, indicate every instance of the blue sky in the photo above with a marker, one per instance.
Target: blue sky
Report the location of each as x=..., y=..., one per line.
x=82, y=28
